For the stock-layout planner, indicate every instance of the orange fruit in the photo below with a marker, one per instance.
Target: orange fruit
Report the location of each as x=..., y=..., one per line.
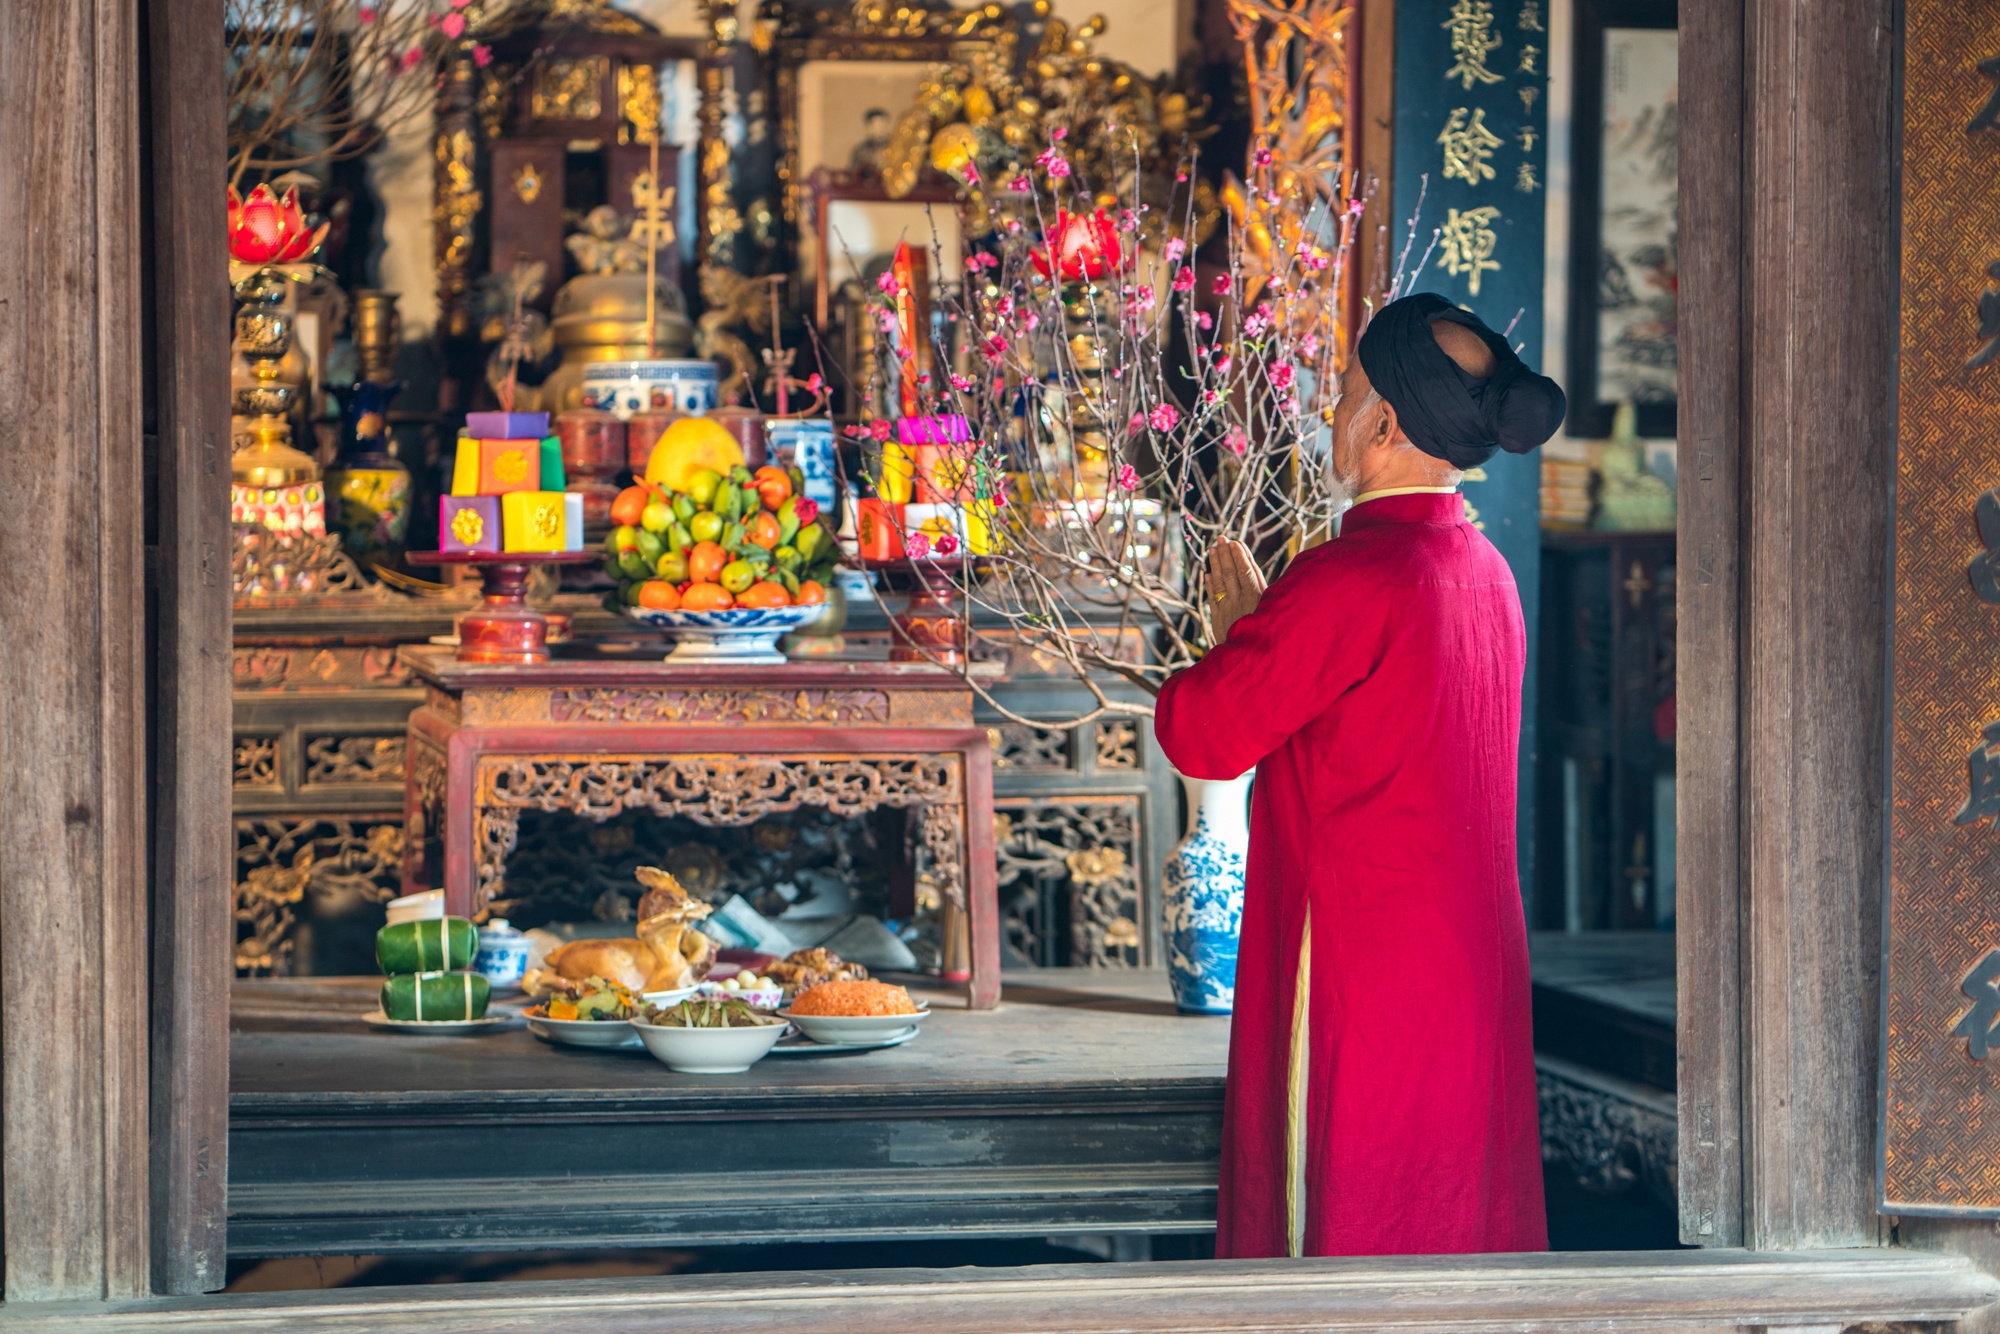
x=659, y=595
x=705, y=562
x=706, y=597
x=688, y=445
x=774, y=487
x=764, y=593
x=629, y=505
x=763, y=529
x=810, y=594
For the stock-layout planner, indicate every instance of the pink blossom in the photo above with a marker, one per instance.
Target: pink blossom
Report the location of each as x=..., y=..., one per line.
x=1310, y=345
x=453, y=24
x=1004, y=307
x=1281, y=375
x=806, y=510
x=980, y=259
x=1033, y=321
x=460, y=4
x=1164, y=416
x=1128, y=478
x=1354, y=207
x=962, y=383
x=1137, y=424
x=1222, y=365
x=1184, y=280
x=1236, y=442
x=1262, y=157
x=1143, y=299
x=995, y=347
x=886, y=283
x=1020, y=186
x=923, y=377
x=879, y=428
x=367, y=15
x=971, y=171
x=482, y=54
x=1059, y=133
x=918, y=545
x=411, y=58
x=1221, y=285
x=1175, y=248
x=1204, y=320
x=1210, y=396
x=1055, y=164
x=855, y=431
x=1128, y=221
x=946, y=544
x=1180, y=178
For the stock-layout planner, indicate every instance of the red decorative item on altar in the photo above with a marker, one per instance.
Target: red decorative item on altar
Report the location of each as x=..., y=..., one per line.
x=1082, y=248
x=909, y=346
x=265, y=229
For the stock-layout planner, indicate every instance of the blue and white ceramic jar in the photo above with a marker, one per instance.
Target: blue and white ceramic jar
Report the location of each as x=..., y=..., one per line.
x=1201, y=895
x=503, y=954
x=626, y=387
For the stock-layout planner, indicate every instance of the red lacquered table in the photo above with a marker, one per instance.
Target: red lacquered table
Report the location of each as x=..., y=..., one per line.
x=722, y=745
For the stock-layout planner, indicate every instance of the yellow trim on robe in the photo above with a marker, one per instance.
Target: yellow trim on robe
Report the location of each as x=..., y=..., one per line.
x=1295, y=1099
x=1367, y=496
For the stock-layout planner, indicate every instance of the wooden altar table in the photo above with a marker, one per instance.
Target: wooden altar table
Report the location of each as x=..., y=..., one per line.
x=721, y=745
x=1083, y=1104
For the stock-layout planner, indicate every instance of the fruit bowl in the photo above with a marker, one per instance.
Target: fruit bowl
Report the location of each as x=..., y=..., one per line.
x=738, y=636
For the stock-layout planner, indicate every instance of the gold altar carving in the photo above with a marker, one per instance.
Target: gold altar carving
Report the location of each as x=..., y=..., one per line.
x=569, y=89
x=638, y=103
x=719, y=706
x=262, y=667
x=715, y=790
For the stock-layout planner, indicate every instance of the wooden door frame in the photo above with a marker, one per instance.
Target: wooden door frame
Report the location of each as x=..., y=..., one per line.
x=1788, y=192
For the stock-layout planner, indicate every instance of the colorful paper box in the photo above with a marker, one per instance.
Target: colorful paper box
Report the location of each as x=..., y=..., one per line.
x=944, y=473
x=572, y=521
x=465, y=467
x=936, y=522
x=899, y=475
x=509, y=466
x=469, y=523
x=945, y=429
x=878, y=529
x=507, y=425
x=552, y=465
x=534, y=520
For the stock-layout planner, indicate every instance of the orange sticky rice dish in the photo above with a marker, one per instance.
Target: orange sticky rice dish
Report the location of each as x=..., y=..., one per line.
x=849, y=999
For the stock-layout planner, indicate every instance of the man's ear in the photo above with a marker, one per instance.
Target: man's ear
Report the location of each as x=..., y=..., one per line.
x=1386, y=425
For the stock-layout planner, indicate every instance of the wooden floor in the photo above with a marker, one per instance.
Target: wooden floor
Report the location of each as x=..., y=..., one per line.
x=1084, y=1104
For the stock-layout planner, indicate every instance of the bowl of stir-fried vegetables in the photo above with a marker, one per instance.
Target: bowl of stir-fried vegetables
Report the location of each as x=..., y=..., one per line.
x=707, y=1035
x=592, y=1013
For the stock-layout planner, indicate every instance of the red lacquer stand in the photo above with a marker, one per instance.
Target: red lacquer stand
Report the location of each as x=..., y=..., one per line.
x=928, y=628
x=504, y=628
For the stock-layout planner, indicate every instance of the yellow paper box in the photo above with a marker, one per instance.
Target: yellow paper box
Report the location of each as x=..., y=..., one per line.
x=465, y=468
x=533, y=520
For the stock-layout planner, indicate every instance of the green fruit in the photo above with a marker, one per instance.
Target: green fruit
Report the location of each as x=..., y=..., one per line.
x=741, y=475
x=683, y=508
x=672, y=567
x=634, y=566
x=738, y=575
x=789, y=580
x=629, y=593
x=811, y=538
x=650, y=546
x=728, y=501
x=706, y=526
x=788, y=520
x=788, y=557
x=701, y=486
x=683, y=539
x=622, y=539
x=613, y=568
x=655, y=518
x=798, y=481
x=757, y=556
x=732, y=538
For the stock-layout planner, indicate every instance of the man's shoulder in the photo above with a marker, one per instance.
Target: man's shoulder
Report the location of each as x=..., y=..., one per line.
x=1406, y=556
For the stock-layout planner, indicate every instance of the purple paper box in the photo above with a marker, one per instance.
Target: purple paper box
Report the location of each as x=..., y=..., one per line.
x=468, y=523
x=507, y=425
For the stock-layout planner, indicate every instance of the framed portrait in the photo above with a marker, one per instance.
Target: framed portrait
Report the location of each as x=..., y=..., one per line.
x=1624, y=229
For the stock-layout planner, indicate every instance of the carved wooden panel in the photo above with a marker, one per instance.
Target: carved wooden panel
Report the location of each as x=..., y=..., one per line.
x=1069, y=880
x=719, y=706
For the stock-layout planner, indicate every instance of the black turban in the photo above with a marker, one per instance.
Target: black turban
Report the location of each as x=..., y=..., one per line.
x=1446, y=413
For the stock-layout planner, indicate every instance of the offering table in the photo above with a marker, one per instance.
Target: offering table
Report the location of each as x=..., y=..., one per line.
x=722, y=745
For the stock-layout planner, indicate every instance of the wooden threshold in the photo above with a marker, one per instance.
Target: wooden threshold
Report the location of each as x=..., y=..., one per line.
x=1653, y=1290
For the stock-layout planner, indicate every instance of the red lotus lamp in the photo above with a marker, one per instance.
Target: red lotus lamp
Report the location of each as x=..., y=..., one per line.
x=1082, y=248
x=265, y=229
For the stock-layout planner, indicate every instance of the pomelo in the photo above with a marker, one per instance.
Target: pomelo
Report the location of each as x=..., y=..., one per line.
x=688, y=444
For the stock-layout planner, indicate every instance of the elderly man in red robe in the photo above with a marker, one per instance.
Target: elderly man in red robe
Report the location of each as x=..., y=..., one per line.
x=1381, y=1072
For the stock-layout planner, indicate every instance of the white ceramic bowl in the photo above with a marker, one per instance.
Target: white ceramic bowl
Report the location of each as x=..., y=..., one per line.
x=854, y=1027
x=709, y=1051
x=582, y=1032
x=739, y=635
x=757, y=998
x=663, y=999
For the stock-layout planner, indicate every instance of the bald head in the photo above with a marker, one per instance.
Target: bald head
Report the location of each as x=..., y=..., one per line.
x=1466, y=348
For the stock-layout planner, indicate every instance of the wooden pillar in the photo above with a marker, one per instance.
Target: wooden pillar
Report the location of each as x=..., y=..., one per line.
x=1788, y=354
x=73, y=965
x=188, y=638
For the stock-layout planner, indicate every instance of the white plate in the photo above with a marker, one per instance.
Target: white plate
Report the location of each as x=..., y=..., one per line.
x=442, y=1028
x=583, y=1032
x=842, y=1028
x=801, y=1044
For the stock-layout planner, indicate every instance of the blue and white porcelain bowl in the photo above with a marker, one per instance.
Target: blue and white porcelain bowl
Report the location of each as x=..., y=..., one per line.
x=626, y=387
x=738, y=636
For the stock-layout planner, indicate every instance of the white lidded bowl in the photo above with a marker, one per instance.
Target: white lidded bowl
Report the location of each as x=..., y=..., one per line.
x=854, y=1027
x=709, y=1051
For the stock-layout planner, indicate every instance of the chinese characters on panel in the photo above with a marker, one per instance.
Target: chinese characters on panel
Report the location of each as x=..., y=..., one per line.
x=1484, y=143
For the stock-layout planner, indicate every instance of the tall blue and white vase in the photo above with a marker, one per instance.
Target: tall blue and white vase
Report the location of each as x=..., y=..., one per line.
x=1201, y=894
